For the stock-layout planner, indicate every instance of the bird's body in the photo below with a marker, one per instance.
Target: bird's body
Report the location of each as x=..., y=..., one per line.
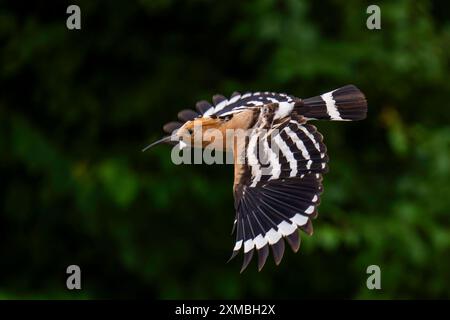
x=279, y=159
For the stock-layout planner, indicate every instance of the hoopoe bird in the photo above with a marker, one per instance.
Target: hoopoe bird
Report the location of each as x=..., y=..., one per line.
x=275, y=193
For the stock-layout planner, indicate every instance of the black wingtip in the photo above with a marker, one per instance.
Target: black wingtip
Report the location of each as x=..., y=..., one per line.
x=314, y=214
x=233, y=255
x=308, y=228
x=278, y=251
x=294, y=240
x=247, y=258
x=263, y=253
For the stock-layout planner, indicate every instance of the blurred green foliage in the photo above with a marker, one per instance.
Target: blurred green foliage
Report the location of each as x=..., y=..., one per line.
x=76, y=107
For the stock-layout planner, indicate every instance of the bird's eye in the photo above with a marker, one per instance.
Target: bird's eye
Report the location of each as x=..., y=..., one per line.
x=190, y=131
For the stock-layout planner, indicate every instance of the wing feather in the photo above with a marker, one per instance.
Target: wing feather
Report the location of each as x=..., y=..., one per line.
x=275, y=199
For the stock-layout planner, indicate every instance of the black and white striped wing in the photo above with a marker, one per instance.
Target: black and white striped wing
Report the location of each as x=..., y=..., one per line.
x=279, y=190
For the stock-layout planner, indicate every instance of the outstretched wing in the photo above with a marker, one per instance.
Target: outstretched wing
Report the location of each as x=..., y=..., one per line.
x=277, y=189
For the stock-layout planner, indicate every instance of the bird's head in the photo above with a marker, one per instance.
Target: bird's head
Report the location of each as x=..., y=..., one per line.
x=203, y=131
x=211, y=125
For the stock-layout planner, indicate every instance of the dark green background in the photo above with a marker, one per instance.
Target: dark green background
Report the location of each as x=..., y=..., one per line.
x=76, y=107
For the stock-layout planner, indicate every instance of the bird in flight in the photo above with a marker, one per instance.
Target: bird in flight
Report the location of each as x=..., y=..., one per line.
x=278, y=164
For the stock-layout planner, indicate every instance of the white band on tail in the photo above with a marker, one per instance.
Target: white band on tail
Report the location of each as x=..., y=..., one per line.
x=331, y=106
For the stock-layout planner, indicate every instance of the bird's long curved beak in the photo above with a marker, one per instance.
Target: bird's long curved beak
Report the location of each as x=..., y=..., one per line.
x=165, y=139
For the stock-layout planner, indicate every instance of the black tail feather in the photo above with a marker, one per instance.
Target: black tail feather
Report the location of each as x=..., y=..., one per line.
x=346, y=103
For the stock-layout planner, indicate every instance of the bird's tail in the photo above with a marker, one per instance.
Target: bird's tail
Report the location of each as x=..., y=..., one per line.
x=346, y=103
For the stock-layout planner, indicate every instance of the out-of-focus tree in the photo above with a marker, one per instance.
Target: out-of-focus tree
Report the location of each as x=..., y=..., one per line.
x=77, y=106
